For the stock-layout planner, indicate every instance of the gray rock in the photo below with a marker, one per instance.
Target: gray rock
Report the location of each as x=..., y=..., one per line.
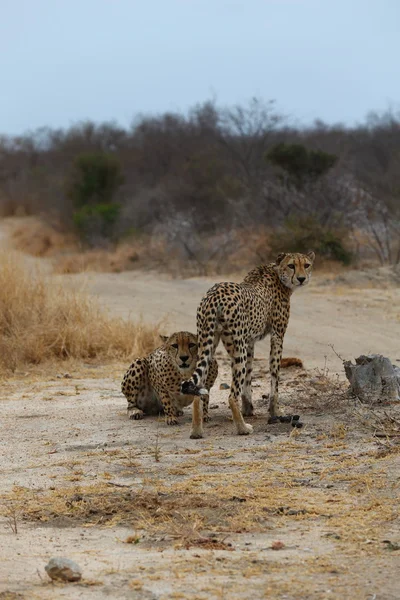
x=397, y=373
x=63, y=569
x=373, y=378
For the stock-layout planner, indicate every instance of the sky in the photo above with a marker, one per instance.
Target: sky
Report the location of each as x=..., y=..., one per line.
x=64, y=61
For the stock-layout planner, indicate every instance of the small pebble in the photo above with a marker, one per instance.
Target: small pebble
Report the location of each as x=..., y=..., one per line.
x=278, y=545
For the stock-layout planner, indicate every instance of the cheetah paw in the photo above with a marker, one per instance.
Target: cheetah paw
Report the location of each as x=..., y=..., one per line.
x=172, y=421
x=135, y=414
x=246, y=429
x=188, y=388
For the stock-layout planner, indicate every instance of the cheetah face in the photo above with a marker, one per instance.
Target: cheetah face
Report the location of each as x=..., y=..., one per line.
x=294, y=270
x=182, y=347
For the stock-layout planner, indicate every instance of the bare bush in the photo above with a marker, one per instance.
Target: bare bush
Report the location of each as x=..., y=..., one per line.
x=205, y=254
x=380, y=224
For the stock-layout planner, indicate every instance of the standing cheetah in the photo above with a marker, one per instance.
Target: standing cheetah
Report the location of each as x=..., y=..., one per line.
x=241, y=314
x=152, y=384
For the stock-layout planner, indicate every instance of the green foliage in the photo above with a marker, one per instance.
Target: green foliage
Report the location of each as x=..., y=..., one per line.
x=94, y=183
x=96, y=179
x=103, y=215
x=301, y=165
x=301, y=234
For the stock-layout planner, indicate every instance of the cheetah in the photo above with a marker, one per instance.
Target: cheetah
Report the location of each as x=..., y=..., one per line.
x=241, y=314
x=152, y=384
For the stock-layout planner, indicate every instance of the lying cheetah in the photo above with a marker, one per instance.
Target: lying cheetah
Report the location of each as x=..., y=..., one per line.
x=241, y=314
x=152, y=384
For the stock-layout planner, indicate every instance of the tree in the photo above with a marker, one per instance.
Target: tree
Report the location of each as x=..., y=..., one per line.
x=93, y=186
x=302, y=166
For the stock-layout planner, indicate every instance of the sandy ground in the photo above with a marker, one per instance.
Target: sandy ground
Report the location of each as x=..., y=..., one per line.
x=150, y=514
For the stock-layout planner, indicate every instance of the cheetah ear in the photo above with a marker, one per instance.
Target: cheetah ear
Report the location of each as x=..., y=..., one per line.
x=311, y=255
x=163, y=338
x=280, y=258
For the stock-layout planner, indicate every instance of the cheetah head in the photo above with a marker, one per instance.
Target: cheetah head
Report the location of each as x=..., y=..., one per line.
x=294, y=270
x=182, y=347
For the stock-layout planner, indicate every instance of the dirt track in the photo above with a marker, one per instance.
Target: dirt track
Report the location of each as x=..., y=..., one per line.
x=354, y=321
x=202, y=516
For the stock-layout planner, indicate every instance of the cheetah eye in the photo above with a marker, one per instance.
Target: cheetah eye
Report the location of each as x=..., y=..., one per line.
x=175, y=346
x=292, y=267
x=192, y=345
x=307, y=266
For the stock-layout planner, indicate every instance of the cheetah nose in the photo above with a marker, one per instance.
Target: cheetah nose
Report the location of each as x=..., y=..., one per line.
x=301, y=279
x=183, y=358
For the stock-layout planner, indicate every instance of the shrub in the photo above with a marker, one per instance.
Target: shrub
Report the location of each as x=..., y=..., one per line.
x=301, y=234
x=97, y=221
x=94, y=183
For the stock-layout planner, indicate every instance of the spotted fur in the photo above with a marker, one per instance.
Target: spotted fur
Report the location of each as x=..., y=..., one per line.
x=152, y=384
x=241, y=314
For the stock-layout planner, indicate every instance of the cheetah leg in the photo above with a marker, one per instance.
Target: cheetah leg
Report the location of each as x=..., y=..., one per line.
x=247, y=404
x=199, y=415
x=205, y=400
x=211, y=377
x=170, y=411
x=197, y=418
x=135, y=386
x=237, y=352
x=274, y=365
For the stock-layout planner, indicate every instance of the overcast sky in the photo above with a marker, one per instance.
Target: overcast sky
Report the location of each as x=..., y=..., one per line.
x=63, y=61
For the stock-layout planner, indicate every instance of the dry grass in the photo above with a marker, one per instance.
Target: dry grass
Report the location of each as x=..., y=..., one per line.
x=122, y=258
x=245, y=251
x=238, y=252
x=37, y=238
x=32, y=236
x=145, y=253
x=385, y=427
x=40, y=321
x=348, y=494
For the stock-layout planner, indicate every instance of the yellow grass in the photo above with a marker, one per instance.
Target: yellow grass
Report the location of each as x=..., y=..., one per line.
x=34, y=237
x=123, y=258
x=247, y=497
x=40, y=320
x=248, y=248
